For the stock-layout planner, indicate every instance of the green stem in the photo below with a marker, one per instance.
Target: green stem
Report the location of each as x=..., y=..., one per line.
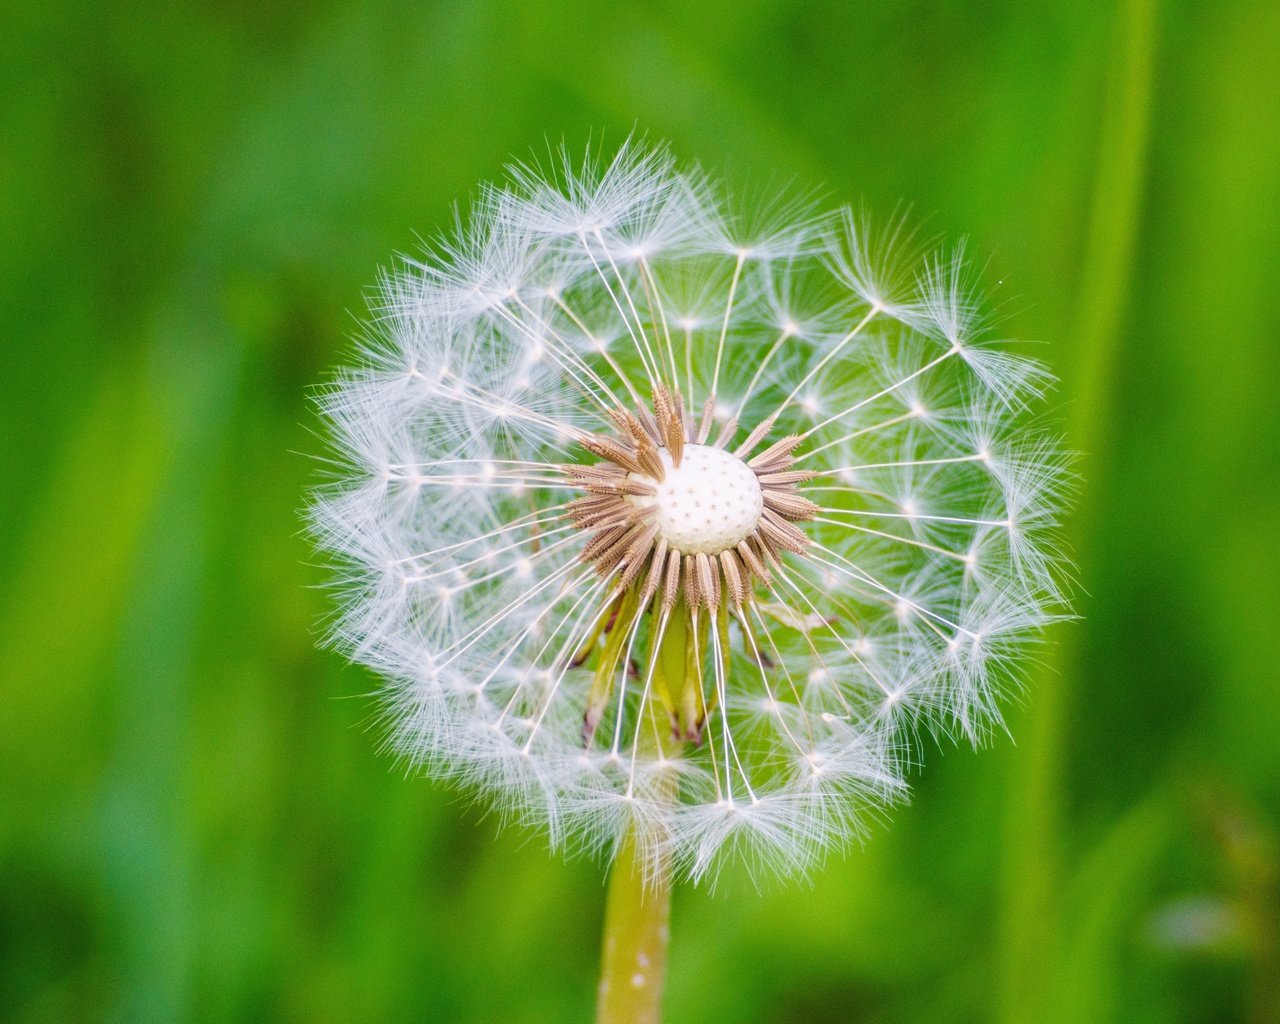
x=633, y=961
x=634, y=955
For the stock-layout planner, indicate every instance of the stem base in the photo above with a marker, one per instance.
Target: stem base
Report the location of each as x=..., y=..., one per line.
x=634, y=951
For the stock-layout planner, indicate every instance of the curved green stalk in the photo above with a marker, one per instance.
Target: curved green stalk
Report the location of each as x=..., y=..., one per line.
x=1032, y=938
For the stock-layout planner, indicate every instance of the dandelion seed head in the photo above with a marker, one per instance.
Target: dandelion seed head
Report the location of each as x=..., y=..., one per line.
x=664, y=514
x=708, y=504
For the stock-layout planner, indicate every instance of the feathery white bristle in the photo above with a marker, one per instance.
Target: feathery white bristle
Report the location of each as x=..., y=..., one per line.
x=573, y=290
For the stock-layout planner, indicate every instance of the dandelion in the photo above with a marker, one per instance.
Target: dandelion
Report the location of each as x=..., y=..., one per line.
x=669, y=524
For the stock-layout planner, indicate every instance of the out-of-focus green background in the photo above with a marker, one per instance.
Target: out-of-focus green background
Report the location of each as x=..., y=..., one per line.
x=194, y=824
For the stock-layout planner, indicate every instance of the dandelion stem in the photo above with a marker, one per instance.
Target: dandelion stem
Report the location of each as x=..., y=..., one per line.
x=633, y=958
x=634, y=950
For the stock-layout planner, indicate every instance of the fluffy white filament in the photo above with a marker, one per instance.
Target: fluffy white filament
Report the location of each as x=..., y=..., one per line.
x=572, y=291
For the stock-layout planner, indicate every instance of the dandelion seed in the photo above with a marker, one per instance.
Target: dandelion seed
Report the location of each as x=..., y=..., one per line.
x=677, y=521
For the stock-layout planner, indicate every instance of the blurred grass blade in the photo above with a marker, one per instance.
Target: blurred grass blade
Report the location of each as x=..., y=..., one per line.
x=1032, y=939
x=62, y=605
x=1100, y=911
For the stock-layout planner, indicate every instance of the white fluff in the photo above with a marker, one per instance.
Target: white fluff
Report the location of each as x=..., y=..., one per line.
x=569, y=290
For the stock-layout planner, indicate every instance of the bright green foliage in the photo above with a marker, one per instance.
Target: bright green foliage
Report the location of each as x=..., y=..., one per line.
x=194, y=825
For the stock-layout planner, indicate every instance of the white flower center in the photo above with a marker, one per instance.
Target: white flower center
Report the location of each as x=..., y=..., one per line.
x=707, y=504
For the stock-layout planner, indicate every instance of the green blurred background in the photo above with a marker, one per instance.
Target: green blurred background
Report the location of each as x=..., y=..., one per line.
x=194, y=824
